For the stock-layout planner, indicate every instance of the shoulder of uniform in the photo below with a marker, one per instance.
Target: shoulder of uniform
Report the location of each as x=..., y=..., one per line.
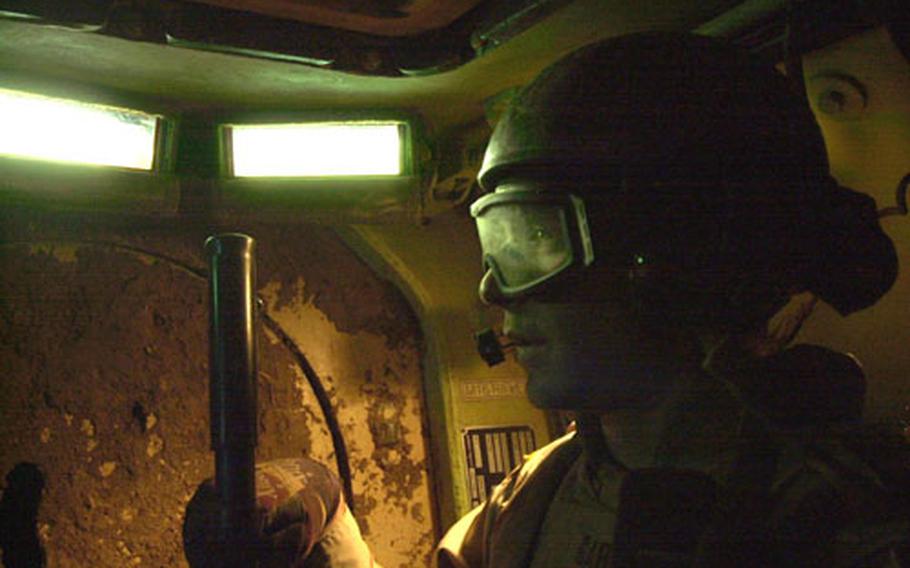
x=845, y=491
x=871, y=457
x=532, y=461
x=552, y=459
x=885, y=449
x=523, y=493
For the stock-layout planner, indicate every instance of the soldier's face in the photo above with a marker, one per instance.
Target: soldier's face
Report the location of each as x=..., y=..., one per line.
x=593, y=356
x=580, y=335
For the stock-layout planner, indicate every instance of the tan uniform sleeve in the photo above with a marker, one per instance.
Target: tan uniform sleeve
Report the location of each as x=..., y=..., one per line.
x=462, y=545
x=341, y=544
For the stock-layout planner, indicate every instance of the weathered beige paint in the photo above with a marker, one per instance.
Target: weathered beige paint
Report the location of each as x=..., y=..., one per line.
x=438, y=265
x=391, y=484
x=98, y=318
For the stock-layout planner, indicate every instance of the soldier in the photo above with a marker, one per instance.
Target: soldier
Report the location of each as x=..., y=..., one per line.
x=659, y=221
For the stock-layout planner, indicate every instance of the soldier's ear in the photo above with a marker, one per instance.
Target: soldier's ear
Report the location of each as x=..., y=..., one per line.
x=727, y=353
x=783, y=326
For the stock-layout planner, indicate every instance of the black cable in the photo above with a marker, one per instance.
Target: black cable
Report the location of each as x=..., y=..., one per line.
x=900, y=197
x=341, y=451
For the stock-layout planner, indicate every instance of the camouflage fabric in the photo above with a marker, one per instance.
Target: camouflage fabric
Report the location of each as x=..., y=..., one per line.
x=299, y=504
x=839, y=499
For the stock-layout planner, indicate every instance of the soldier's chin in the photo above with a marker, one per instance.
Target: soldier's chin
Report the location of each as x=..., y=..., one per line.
x=560, y=395
x=546, y=399
x=556, y=395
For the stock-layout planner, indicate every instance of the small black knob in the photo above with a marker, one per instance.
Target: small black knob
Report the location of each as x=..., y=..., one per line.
x=489, y=348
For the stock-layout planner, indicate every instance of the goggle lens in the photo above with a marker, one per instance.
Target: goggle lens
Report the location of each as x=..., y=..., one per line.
x=524, y=242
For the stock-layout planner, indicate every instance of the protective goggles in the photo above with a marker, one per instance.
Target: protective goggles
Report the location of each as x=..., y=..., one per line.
x=529, y=237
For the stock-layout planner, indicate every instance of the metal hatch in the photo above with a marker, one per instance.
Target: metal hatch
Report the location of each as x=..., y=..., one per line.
x=387, y=37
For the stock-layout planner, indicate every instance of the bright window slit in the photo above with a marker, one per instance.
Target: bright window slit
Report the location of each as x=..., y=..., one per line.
x=45, y=128
x=317, y=149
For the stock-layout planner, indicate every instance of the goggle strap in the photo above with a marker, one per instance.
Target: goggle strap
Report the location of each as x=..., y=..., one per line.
x=584, y=232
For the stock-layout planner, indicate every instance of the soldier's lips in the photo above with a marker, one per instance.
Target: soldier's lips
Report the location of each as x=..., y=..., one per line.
x=527, y=347
x=520, y=339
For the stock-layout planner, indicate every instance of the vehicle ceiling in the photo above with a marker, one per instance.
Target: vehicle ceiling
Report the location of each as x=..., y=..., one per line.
x=184, y=56
x=378, y=17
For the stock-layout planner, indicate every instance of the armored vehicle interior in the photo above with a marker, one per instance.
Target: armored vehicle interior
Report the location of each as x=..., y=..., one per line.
x=133, y=130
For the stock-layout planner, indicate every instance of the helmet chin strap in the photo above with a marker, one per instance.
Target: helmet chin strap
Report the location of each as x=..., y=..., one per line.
x=594, y=443
x=900, y=198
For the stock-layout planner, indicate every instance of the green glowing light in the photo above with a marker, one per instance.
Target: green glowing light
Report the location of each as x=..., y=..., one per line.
x=317, y=149
x=44, y=128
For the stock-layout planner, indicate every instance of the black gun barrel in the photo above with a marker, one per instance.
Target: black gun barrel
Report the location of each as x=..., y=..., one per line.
x=232, y=391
